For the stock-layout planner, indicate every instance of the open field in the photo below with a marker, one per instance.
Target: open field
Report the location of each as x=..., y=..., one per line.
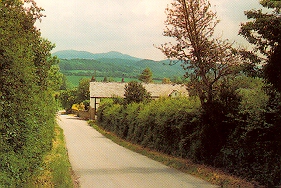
x=74, y=80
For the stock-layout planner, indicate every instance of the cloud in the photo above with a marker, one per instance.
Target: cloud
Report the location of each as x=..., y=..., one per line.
x=128, y=26
x=104, y=25
x=231, y=15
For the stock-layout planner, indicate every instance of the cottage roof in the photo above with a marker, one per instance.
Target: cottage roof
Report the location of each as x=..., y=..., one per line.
x=106, y=89
x=109, y=89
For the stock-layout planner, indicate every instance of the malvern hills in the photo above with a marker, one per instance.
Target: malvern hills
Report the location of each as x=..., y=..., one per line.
x=113, y=64
x=73, y=54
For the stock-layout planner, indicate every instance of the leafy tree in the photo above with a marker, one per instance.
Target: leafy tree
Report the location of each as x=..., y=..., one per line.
x=262, y=140
x=55, y=78
x=27, y=107
x=78, y=95
x=64, y=84
x=264, y=31
x=206, y=59
x=68, y=98
x=166, y=81
x=210, y=64
x=146, y=76
x=135, y=92
x=83, y=91
x=276, y=4
x=178, y=79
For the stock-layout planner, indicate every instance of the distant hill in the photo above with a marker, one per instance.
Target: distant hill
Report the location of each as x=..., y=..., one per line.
x=118, y=68
x=74, y=54
x=113, y=64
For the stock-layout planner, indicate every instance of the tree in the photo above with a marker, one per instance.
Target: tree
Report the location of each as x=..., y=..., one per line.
x=83, y=93
x=27, y=106
x=135, y=92
x=68, y=98
x=210, y=63
x=264, y=31
x=166, y=81
x=206, y=59
x=276, y=4
x=146, y=76
x=78, y=95
x=55, y=78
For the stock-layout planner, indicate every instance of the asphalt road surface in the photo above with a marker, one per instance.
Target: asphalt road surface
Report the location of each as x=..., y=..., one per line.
x=100, y=163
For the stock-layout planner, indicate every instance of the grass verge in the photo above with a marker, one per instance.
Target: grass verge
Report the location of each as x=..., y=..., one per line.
x=56, y=170
x=209, y=174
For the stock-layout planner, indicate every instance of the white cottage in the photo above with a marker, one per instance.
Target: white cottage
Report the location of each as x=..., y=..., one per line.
x=101, y=90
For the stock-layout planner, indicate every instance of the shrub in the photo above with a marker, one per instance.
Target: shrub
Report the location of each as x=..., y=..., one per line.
x=135, y=92
x=160, y=125
x=27, y=105
x=239, y=131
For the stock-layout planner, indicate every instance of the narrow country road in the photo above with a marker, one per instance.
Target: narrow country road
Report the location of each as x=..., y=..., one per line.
x=100, y=163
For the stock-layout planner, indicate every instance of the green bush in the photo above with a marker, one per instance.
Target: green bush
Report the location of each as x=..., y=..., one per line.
x=160, y=125
x=237, y=132
x=135, y=92
x=251, y=150
x=131, y=123
x=27, y=105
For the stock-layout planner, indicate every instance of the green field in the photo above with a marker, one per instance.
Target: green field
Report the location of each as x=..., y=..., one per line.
x=74, y=80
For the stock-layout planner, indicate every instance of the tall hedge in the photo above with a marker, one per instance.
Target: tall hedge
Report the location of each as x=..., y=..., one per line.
x=27, y=106
x=162, y=124
x=238, y=132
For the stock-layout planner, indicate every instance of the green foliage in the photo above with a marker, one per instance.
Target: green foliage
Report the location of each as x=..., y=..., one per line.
x=161, y=124
x=80, y=95
x=250, y=150
x=58, y=161
x=56, y=169
x=238, y=132
x=68, y=98
x=55, y=78
x=166, y=81
x=272, y=70
x=27, y=105
x=146, y=76
x=257, y=137
x=206, y=59
x=74, y=80
x=118, y=68
x=135, y=92
x=276, y=4
x=263, y=30
x=83, y=91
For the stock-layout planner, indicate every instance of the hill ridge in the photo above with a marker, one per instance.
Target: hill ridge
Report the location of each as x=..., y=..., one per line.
x=75, y=54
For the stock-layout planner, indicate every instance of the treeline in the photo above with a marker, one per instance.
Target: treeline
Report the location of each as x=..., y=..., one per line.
x=28, y=78
x=78, y=96
x=118, y=68
x=235, y=133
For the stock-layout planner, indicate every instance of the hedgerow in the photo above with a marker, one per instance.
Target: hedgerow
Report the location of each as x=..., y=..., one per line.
x=27, y=104
x=160, y=124
x=234, y=133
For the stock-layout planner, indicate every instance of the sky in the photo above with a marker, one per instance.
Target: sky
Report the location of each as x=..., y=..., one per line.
x=131, y=27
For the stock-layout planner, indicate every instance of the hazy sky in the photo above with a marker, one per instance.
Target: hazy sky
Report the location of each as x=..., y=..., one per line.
x=128, y=26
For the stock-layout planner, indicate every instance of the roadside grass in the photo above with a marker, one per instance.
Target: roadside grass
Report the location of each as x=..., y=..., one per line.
x=209, y=174
x=56, y=170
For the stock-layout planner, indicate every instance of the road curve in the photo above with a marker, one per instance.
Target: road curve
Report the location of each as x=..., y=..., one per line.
x=100, y=163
